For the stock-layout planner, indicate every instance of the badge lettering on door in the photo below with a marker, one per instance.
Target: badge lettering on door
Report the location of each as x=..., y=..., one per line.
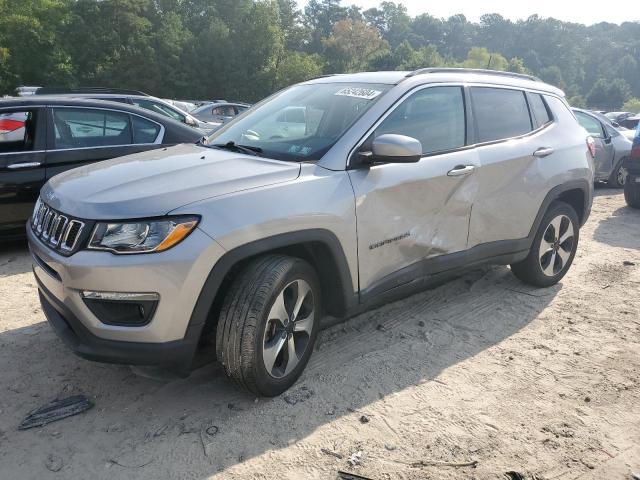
x=382, y=243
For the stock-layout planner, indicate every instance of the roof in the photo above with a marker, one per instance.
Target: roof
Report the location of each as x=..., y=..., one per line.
x=440, y=75
x=37, y=100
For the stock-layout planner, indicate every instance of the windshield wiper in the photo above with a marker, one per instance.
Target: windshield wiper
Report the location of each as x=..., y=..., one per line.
x=231, y=145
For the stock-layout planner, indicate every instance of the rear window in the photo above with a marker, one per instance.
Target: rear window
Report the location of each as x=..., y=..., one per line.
x=144, y=131
x=85, y=128
x=499, y=113
x=539, y=109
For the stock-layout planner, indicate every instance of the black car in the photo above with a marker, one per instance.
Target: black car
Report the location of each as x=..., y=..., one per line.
x=43, y=136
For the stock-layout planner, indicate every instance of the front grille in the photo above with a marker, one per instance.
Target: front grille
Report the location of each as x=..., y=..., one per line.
x=59, y=231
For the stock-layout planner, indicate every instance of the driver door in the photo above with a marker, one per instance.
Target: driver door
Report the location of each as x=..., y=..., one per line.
x=408, y=214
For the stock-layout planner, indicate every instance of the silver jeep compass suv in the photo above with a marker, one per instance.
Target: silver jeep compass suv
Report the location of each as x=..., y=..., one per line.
x=329, y=197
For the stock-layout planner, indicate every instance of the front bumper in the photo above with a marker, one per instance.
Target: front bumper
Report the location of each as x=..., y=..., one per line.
x=177, y=276
x=86, y=345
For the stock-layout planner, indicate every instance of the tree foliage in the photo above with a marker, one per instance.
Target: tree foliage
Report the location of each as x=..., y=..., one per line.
x=246, y=49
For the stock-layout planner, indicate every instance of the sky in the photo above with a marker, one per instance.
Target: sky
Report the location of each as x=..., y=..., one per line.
x=587, y=12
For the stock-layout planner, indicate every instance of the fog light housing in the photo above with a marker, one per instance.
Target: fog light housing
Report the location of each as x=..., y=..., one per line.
x=120, y=308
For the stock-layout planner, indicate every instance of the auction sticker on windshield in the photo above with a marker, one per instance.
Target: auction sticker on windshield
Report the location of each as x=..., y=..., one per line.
x=366, y=93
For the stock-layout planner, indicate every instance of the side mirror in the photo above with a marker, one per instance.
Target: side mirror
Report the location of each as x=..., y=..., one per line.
x=190, y=121
x=392, y=148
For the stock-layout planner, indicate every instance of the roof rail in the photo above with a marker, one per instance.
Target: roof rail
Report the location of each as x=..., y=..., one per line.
x=479, y=71
x=97, y=90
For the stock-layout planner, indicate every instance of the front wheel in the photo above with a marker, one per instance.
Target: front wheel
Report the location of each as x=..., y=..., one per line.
x=268, y=324
x=553, y=249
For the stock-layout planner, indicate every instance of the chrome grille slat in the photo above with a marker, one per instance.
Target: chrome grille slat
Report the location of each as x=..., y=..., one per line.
x=57, y=230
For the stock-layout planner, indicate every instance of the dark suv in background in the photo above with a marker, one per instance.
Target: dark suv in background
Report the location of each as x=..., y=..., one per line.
x=43, y=136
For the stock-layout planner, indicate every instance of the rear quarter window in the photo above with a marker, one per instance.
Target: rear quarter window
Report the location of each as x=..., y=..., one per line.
x=539, y=109
x=499, y=113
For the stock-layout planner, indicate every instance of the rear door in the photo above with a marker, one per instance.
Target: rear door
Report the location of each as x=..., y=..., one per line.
x=604, y=146
x=510, y=153
x=22, y=165
x=408, y=213
x=82, y=135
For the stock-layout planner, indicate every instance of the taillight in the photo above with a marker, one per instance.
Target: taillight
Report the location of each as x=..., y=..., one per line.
x=7, y=125
x=591, y=145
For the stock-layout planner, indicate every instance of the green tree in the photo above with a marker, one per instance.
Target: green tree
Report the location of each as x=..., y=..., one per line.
x=632, y=105
x=480, y=57
x=609, y=95
x=578, y=101
x=352, y=45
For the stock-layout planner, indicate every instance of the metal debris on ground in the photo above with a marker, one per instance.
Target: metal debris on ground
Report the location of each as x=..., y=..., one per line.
x=355, y=458
x=437, y=463
x=326, y=451
x=351, y=476
x=628, y=263
x=56, y=410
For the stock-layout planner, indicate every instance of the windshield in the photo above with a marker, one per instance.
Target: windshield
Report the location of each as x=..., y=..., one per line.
x=302, y=122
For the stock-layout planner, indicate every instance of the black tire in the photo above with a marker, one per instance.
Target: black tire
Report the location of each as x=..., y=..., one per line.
x=531, y=270
x=632, y=192
x=242, y=327
x=614, y=180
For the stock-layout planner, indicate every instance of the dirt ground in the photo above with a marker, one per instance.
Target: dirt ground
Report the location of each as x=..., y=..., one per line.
x=484, y=369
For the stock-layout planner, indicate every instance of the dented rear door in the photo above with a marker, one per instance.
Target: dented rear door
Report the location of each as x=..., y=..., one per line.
x=407, y=213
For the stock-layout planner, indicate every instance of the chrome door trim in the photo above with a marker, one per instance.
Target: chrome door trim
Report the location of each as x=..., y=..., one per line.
x=18, y=166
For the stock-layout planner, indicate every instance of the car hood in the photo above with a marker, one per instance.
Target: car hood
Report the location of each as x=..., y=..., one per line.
x=153, y=183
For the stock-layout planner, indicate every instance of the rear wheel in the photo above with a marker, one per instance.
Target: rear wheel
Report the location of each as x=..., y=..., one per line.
x=553, y=249
x=618, y=176
x=632, y=192
x=268, y=324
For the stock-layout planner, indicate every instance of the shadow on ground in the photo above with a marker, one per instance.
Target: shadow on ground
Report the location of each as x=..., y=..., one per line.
x=195, y=427
x=620, y=229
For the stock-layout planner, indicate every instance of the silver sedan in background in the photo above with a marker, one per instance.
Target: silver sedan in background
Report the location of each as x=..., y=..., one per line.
x=612, y=147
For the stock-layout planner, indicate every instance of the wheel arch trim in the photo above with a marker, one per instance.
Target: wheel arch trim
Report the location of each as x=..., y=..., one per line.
x=210, y=289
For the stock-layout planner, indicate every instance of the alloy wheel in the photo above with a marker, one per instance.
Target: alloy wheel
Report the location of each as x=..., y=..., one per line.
x=556, y=245
x=288, y=329
x=621, y=176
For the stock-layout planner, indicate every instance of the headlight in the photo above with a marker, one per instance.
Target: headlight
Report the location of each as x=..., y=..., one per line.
x=142, y=236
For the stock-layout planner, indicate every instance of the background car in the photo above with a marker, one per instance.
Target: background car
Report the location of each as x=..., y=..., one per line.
x=632, y=165
x=630, y=122
x=628, y=133
x=611, y=148
x=132, y=97
x=12, y=126
x=182, y=104
x=60, y=133
x=219, y=112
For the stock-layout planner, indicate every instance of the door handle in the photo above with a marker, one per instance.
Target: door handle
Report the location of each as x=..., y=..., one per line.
x=460, y=170
x=18, y=166
x=543, y=152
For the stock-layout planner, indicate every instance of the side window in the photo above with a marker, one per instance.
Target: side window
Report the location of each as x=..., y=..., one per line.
x=144, y=131
x=435, y=116
x=590, y=124
x=539, y=109
x=17, y=131
x=86, y=128
x=499, y=113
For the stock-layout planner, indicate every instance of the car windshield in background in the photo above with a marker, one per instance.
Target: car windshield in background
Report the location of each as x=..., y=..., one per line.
x=301, y=123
